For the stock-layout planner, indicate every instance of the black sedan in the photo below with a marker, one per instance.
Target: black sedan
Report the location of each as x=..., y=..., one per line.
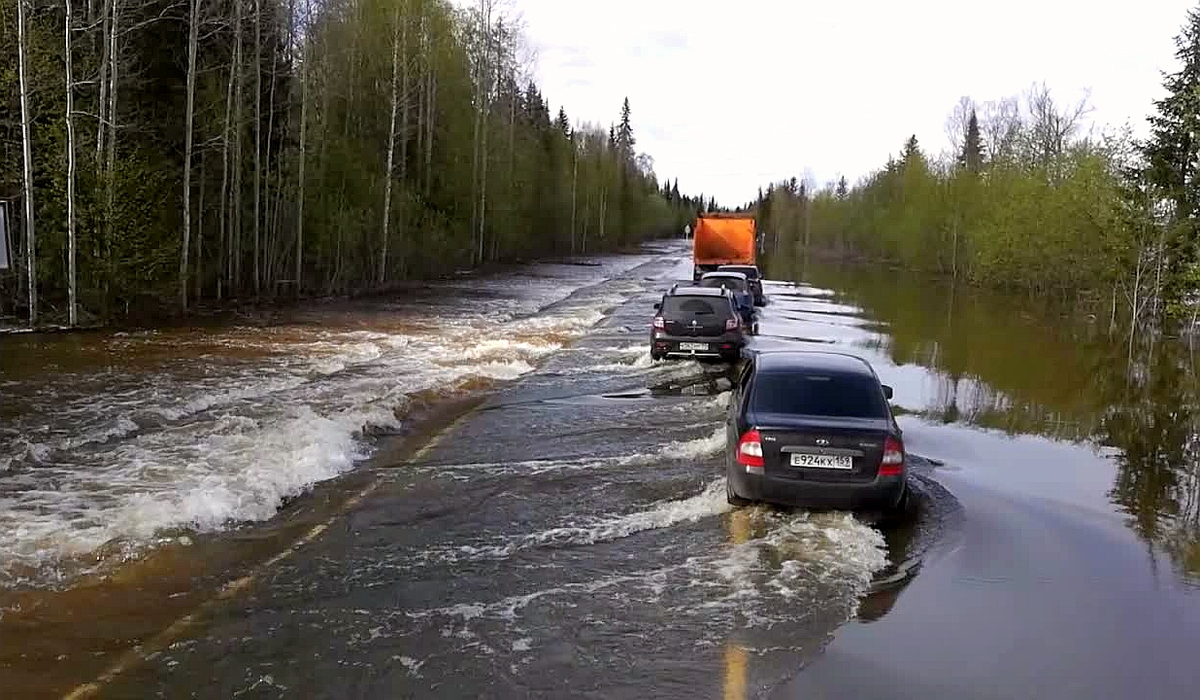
x=815, y=430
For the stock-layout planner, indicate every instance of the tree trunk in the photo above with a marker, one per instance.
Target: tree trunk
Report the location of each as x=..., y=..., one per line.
x=27, y=151
x=574, y=188
x=101, y=121
x=199, y=272
x=484, y=128
x=303, y=152
x=235, y=284
x=272, y=217
x=71, y=305
x=391, y=149
x=185, y=248
x=225, y=260
x=400, y=223
x=111, y=146
x=257, y=143
x=430, y=120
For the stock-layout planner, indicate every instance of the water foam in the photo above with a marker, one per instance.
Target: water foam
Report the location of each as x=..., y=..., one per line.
x=229, y=442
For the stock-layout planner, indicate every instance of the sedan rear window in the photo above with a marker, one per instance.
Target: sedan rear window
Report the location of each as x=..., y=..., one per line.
x=818, y=394
x=695, y=306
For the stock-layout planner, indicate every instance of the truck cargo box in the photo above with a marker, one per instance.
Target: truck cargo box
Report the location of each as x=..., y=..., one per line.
x=723, y=240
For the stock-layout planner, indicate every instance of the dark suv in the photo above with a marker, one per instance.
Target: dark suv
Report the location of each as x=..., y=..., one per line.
x=699, y=322
x=753, y=277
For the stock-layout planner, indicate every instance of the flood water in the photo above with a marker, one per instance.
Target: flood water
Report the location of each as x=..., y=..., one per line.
x=485, y=488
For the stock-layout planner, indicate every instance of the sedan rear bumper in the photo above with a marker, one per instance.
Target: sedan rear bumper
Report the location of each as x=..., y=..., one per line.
x=882, y=493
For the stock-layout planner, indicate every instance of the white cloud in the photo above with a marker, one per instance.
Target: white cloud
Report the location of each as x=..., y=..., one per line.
x=728, y=96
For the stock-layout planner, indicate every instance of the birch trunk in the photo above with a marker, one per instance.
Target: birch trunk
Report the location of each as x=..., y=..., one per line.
x=101, y=121
x=303, y=152
x=27, y=151
x=404, y=86
x=185, y=248
x=71, y=301
x=111, y=147
x=391, y=151
x=235, y=234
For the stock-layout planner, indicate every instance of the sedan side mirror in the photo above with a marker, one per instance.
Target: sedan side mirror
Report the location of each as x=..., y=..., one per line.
x=887, y=391
x=657, y=306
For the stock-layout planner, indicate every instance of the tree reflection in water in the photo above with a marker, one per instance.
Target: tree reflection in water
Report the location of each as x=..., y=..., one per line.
x=1026, y=366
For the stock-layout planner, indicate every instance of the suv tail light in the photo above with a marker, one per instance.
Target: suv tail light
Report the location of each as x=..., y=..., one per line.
x=893, y=458
x=658, y=322
x=749, y=452
x=731, y=324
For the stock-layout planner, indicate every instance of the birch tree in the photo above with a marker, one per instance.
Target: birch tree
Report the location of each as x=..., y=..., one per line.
x=397, y=39
x=70, y=119
x=27, y=153
x=193, y=30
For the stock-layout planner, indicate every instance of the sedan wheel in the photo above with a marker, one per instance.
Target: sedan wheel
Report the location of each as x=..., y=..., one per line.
x=734, y=499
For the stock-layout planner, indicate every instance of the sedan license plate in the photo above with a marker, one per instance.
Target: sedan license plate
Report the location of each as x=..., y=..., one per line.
x=807, y=459
x=693, y=346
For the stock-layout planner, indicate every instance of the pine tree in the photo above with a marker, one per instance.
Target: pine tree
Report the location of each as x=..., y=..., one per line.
x=675, y=191
x=972, y=154
x=912, y=150
x=1173, y=152
x=562, y=123
x=843, y=188
x=625, y=140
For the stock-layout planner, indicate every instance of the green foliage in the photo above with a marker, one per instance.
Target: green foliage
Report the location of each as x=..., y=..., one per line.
x=1173, y=161
x=1037, y=221
x=471, y=133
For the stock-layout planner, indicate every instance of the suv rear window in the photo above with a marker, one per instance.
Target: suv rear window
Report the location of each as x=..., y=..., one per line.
x=688, y=307
x=726, y=282
x=816, y=393
x=750, y=272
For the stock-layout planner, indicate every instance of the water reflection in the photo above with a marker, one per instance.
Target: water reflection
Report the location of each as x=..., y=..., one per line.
x=1029, y=366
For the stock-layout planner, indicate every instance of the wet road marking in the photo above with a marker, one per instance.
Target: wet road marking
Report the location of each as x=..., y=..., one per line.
x=233, y=587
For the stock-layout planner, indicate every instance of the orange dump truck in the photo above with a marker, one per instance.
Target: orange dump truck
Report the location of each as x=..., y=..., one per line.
x=722, y=239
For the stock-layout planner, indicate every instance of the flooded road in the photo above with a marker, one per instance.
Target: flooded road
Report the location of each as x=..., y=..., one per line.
x=512, y=500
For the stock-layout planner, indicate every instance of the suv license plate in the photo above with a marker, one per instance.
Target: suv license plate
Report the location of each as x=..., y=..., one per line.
x=693, y=346
x=805, y=459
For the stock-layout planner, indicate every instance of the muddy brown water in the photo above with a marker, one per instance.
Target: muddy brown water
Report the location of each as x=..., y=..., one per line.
x=486, y=489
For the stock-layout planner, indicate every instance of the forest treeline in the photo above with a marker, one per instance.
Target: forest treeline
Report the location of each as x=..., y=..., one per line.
x=1026, y=198
x=167, y=152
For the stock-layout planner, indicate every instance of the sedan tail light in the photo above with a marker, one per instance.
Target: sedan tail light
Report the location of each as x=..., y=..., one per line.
x=731, y=324
x=749, y=452
x=893, y=458
x=659, y=323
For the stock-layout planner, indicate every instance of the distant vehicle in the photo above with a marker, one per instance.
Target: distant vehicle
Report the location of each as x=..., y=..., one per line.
x=753, y=276
x=739, y=286
x=701, y=322
x=814, y=430
x=722, y=239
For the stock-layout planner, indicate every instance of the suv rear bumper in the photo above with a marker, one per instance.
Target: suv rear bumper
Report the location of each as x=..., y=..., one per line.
x=727, y=346
x=882, y=493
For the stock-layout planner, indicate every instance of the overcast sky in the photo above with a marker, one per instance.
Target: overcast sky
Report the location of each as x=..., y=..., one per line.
x=729, y=95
